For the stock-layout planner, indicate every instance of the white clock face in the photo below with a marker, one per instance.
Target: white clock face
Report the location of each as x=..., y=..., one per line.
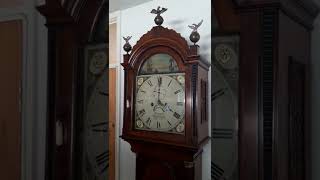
x=160, y=102
x=97, y=130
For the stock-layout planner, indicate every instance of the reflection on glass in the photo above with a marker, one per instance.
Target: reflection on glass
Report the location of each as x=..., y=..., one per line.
x=224, y=104
x=92, y=146
x=159, y=63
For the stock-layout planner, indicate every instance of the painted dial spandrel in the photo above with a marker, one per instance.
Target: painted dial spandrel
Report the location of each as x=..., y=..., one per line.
x=160, y=102
x=159, y=63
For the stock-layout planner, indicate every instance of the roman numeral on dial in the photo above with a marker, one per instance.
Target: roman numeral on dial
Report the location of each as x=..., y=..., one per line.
x=158, y=125
x=218, y=94
x=148, y=121
x=149, y=82
x=102, y=161
x=176, y=115
x=100, y=127
x=142, y=112
x=177, y=91
x=179, y=103
x=216, y=171
x=222, y=133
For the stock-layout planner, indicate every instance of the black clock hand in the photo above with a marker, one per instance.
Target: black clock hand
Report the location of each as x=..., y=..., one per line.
x=159, y=81
x=159, y=84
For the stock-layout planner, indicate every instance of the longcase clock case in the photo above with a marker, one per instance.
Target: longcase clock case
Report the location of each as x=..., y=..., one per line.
x=163, y=155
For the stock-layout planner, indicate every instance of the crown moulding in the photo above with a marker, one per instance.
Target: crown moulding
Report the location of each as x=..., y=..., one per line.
x=82, y=15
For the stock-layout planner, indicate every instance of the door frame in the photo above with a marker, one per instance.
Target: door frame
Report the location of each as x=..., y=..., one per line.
x=33, y=96
x=114, y=18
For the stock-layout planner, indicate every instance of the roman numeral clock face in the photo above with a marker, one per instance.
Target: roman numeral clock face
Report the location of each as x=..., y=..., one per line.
x=160, y=102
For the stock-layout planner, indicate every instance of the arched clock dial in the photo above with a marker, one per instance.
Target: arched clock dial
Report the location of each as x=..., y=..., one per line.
x=96, y=129
x=160, y=102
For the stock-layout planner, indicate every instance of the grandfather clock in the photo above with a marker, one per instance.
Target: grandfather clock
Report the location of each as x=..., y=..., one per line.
x=165, y=103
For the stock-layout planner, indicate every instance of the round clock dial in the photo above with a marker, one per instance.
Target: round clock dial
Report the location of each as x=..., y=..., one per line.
x=160, y=102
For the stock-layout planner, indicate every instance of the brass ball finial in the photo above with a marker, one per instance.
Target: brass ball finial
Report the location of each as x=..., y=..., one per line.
x=158, y=19
x=195, y=36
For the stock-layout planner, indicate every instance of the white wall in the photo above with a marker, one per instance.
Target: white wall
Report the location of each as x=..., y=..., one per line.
x=315, y=90
x=137, y=21
x=34, y=84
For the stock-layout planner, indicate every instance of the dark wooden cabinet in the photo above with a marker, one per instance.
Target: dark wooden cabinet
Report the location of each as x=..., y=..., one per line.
x=71, y=26
x=274, y=55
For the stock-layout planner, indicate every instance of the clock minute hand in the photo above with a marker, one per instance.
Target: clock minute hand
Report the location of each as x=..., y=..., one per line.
x=159, y=84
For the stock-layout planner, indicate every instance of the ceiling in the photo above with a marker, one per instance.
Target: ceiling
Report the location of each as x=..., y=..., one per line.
x=115, y=5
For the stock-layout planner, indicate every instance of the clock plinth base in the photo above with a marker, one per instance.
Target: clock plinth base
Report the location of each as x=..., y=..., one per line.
x=162, y=162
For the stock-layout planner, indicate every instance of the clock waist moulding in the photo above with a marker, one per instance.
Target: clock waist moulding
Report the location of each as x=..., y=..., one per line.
x=175, y=152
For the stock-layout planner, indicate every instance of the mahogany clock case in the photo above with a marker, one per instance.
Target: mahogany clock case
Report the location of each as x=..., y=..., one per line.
x=166, y=152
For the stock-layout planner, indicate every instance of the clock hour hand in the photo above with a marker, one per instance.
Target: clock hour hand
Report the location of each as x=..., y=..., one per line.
x=160, y=103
